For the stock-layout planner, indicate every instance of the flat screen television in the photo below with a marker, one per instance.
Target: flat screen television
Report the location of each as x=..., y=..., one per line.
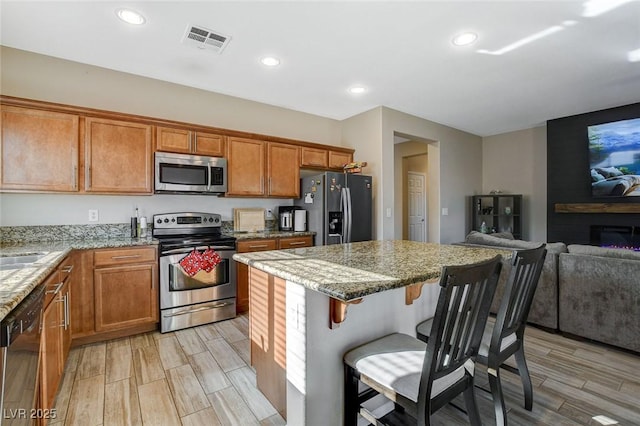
x=614, y=158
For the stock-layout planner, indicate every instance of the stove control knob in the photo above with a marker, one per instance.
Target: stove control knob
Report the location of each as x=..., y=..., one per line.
x=159, y=221
x=210, y=219
x=217, y=220
x=173, y=219
x=166, y=221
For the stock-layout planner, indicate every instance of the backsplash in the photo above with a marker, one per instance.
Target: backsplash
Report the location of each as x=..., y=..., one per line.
x=11, y=234
x=14, y=234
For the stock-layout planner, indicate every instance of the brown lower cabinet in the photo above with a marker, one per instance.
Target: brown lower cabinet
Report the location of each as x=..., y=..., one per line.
x=117, y=295
x=242, y=270
x=56, y=331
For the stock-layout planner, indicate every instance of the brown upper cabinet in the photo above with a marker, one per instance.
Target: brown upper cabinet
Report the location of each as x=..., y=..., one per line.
x=338, y=159
x=39, y=150
x=283, y=171
x=189, y=142
x=314, y=157
x=118, y=157
x=47, y=147
x=259, y=168
x=318, y=158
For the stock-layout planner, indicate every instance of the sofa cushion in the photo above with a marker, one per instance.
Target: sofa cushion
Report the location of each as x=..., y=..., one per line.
x=475, y=237
x=603, y=252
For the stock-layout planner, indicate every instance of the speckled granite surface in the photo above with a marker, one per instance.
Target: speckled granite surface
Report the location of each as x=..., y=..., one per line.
x=351, y=271
x=16, y=284
x=64, y=232
x=268, y=234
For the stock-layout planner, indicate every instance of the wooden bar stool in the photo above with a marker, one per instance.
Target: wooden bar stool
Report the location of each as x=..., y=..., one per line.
x=421, y=378
x=505, y=337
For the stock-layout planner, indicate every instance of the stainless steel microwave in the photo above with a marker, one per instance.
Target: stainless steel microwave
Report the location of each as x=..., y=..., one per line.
x=195, y=174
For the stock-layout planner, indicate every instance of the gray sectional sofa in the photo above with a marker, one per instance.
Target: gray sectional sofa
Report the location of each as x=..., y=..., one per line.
x=586, y=291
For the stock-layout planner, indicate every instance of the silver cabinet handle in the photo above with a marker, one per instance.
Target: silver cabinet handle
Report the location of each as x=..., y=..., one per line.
x=129, y=256
x=75, y=177
x=67, y=269
x=56, y=289
x=297, y=243
x=259, y=246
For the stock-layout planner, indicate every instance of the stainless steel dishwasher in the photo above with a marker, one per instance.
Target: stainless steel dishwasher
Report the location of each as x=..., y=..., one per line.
x=20, y=345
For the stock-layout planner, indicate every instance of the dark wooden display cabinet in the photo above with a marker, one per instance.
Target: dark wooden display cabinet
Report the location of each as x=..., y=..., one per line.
x=499, y=212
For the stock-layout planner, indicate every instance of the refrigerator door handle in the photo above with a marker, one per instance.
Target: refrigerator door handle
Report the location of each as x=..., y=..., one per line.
x=350, y=215
x=345, y=212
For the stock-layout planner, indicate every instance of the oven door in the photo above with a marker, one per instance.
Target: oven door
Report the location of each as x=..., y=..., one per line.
x=179, y=289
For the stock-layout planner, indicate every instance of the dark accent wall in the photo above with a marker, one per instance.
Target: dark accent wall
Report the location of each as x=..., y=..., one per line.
x=568, y=178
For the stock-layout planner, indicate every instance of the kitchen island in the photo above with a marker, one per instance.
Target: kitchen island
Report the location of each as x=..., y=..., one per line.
x=309, y=306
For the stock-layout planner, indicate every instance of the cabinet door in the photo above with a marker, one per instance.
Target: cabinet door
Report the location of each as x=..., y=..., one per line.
x=173, y=140
x=118, y=157
x=39, y=150
x=283, y=170
x=82, y=313
x=338, y=159
x=208, y=144
x=51, y=358
x=242, y=270
x=313, y=157
x=245, y=167
x=125, y=296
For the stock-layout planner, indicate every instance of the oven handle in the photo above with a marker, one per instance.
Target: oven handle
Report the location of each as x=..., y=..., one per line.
x=189, y=249
x=204, y=308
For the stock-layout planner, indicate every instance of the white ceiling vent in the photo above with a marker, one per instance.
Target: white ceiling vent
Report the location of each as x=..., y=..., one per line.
x=204, y=38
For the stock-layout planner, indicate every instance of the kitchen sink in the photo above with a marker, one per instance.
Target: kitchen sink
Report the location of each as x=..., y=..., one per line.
x=17, y=262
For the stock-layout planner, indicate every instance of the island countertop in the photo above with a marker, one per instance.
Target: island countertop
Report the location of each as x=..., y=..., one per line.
x=351, y=271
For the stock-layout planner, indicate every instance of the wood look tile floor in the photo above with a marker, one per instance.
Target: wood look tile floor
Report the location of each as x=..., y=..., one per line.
x=202, y=376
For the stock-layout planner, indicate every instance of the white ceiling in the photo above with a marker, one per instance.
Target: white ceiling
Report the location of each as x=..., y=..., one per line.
x=401, y=51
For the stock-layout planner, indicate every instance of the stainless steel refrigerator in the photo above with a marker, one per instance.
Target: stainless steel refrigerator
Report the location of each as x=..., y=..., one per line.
x=339, y=207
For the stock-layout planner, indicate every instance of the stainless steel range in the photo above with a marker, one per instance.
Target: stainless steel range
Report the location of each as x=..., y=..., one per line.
x=187, y=298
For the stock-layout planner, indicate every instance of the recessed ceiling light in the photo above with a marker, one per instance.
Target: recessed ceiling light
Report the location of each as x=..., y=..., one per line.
x=464, y=39
x=357, y=89
x=270, y=61
x=130, y=16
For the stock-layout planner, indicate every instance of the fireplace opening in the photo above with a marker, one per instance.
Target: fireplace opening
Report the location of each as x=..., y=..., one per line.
x=623, y=237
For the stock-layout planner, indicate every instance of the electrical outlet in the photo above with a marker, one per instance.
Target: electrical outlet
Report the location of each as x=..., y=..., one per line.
x=93, y=215
x=269, y=214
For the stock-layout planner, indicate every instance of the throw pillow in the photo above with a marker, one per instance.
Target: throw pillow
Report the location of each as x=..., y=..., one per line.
x=595, y=176
x=608, y=172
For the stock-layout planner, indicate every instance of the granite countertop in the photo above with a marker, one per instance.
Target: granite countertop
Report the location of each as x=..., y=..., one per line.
x=350, y=271
x=269, y=234
x=16, y=284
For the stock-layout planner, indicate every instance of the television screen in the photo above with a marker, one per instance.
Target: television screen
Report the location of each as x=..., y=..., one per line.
x=614, y=158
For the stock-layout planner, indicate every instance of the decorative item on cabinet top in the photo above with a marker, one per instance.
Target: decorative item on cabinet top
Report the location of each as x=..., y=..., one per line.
x=248, y=220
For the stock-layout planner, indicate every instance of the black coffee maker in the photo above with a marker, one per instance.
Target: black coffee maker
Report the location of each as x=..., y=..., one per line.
x=286, y=217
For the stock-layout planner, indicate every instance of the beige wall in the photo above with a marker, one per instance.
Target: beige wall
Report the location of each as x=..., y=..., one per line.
x=28, y=75
x=516, y=163
x=455, y=172
x=455, y=157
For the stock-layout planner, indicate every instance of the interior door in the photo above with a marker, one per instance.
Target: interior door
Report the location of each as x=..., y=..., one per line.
x=417, y=206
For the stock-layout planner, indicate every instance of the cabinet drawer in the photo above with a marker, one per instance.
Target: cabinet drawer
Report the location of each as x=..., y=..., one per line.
x=256, y=245
x=124, y=256
x=295, y=242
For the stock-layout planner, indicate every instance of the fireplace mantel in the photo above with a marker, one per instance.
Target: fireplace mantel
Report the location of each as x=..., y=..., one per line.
x=598, y=208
